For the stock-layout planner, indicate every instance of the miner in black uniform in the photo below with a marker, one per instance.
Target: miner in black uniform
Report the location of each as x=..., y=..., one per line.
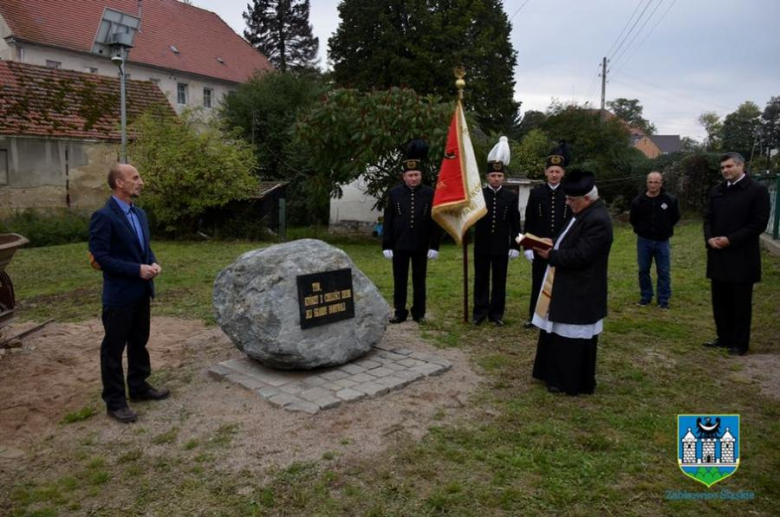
x=410, y=234
x=545, y=214
x=494, y=240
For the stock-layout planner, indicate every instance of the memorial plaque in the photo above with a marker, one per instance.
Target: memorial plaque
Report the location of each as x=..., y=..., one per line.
x=325, y=297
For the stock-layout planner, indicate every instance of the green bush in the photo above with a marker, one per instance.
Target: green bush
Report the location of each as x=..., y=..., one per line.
x=48, y=229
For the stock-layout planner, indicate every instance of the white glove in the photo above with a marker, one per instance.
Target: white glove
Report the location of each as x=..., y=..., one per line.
x=529, y=254
x=433, y=254
x=513, y=254
x=388, y=254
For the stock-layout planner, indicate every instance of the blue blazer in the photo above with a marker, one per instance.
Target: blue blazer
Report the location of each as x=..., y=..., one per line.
x=115, y=247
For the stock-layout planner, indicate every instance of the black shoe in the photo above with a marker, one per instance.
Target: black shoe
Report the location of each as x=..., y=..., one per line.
x=528, y=325
x=737, y=350
x=714, y=344
x=478, y=320
x=498, y=323
x=397, y=319
x=421, y=319
x=553, y=389
x=643, y=303
x=124, y=415
x=663, y=306
x=152, y=394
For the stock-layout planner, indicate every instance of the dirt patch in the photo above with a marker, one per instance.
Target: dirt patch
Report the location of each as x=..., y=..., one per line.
x=764, y=370
x=56, y=372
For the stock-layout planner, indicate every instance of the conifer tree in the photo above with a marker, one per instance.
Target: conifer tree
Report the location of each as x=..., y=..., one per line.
x=280, y=29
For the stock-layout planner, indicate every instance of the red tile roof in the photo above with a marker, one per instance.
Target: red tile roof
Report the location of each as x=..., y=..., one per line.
x=200, y=36
x=41, y=101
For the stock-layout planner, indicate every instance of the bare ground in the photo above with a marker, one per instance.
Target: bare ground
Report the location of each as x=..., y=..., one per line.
x=56, y=372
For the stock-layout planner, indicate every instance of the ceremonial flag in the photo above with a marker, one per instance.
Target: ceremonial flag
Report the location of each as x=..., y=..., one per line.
x=458, y=201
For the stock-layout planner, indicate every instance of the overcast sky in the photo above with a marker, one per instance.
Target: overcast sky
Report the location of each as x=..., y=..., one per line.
x=680, y=57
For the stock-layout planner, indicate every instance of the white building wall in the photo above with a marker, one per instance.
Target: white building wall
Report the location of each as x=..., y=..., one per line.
x=354, y=208
x=165, y=79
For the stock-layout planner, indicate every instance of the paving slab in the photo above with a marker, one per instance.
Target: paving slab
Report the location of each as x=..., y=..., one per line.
x=383, y=370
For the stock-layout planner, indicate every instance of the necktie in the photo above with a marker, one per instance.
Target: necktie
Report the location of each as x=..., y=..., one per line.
x=136, y=223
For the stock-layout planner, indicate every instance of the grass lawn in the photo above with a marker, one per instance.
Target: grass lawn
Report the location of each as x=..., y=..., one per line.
x=528, y=452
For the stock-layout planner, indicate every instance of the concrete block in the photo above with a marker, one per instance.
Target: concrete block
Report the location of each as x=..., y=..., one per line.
x=348, y=395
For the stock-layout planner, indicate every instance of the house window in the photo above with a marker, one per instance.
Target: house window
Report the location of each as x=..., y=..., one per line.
x=90, y=70
x=181, y=93
x=207, y=93
x=3, y=167
x=53, y=64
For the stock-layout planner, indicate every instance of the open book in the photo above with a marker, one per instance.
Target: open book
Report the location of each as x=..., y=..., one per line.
x=529, y=241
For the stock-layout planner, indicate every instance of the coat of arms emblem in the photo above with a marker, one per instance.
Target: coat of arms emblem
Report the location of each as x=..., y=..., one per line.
x=708, y=446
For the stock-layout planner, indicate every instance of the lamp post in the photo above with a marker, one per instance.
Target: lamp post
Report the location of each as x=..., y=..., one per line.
x=119, y=61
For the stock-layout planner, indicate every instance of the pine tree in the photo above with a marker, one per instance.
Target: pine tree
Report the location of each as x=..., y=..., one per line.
x=280, y=29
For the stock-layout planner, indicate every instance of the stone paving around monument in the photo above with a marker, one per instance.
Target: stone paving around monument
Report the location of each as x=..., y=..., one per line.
x=382, y=370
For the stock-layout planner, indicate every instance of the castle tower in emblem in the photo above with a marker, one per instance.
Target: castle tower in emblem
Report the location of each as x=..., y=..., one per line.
x=727, y=447
x=689, y=447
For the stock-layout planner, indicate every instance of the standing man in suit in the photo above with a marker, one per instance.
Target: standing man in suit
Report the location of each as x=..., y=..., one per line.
x=737, y=214
x=653, y=216
x=120, y=246
x=573, y=305
x=545, y=214
x=410, y=233
x=494, y=240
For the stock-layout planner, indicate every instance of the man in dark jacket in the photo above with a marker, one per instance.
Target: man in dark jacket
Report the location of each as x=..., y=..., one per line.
x=737, y=214
x=653, y=216
x=494, y=240
x=545, y=215
x=573, y=302
x=410, y=234
x=120, y=247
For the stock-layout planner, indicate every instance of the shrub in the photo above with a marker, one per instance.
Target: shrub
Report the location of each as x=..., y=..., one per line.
x=48, y=229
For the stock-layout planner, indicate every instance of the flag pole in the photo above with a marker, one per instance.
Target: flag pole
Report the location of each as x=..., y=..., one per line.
x=460, y=83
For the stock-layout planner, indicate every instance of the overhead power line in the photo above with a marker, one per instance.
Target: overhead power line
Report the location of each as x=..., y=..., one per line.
x=657, y=23
x=636, y=22
x=617, y=58
x=609, y=52
x=519, y=9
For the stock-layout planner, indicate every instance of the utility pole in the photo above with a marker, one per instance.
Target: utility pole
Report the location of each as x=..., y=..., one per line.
x=603, y=88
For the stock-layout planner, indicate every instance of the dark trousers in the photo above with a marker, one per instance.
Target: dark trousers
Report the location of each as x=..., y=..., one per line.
x=538, y=267
x=125, y=326
x=646, y=251
x=490, y=300
x=732, y=308
x=401, y=260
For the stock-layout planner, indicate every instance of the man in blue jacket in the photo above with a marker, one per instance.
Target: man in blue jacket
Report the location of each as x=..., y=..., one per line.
x=120, y=247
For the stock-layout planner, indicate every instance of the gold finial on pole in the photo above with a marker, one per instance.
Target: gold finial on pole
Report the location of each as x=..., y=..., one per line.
x=460, y=73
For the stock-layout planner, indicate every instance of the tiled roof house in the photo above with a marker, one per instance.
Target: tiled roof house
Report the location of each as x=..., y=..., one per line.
x=190, y=53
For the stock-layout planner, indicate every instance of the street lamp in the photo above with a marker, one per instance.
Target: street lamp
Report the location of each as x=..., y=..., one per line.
x=119, y=61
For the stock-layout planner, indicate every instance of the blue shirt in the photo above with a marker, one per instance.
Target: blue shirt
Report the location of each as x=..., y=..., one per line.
x=132, y=218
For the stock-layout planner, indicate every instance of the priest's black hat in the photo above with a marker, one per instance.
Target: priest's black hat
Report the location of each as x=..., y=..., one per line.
x=578, y=182
x=414, y=155
x=559, y=156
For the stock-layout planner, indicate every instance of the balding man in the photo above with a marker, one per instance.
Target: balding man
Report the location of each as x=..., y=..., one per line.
x=120, y=246
x=653, y=216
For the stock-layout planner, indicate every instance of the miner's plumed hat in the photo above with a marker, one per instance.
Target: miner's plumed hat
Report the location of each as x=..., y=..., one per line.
x=415, y=154
x=578, y=182
x=559, y=156
x=499, y=156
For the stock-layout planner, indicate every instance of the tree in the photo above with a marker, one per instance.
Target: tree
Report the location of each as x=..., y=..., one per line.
x=530, y=121
x=529, y=155
x=264, y=111
x=189, y=170
x=600, y=146
x=714, y=127
x=690, y=145
x=630, y=111
x=770, y=126
x=353, y=133
x=740, y=129
x=417, y=43
x=280, y=29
